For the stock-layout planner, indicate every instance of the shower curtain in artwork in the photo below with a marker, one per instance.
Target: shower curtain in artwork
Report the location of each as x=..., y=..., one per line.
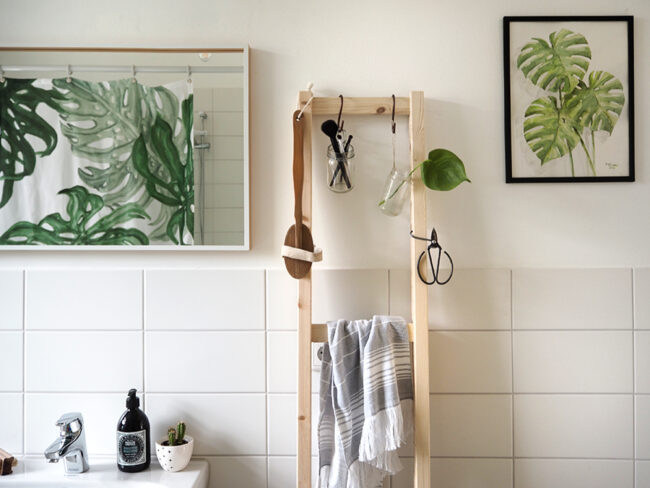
x=95, y=163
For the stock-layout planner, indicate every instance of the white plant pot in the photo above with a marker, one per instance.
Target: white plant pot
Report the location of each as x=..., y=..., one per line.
x=174, y=458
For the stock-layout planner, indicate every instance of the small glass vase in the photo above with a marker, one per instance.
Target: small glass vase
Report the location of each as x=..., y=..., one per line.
x=340, y=170
x=395, y=194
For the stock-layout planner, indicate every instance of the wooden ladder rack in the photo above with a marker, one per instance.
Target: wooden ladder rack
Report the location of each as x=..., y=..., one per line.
x=413, y=106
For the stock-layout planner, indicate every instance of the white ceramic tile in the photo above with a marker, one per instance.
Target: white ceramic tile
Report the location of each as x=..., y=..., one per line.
x=473, y=299
x=281, y=300
x=471, y=425
x=582, y=426
x=240, y=472
x=83, y=299
x=282, y=357
x=572, y=299
x=11, y=413
x=225, y=171
x=470, y=362
x=204, y=299
x=642, y=474
x=282, y=471
x=228, y=99
x=212, y=361
x=100, y=411
x=83, y=361
x=349, y=294
x=224, y=195
x=219, y=424
x=642, y=360
x=202, y=103
x=283, y=425
x=573, y=362
x=641, y=302
x=229, y=124
x=226, y=147
x=399, y=282
x=225, y=219
x=643, y=427
x=460, y=473
x=11, y=361
x=574, y=473
x=11, y=299
x=225, y=238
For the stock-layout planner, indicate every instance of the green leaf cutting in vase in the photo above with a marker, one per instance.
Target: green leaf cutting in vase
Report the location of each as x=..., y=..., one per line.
x=19, y=99
x=82, y=227
x=555, y=125
x=172, y=185
x=441, y=171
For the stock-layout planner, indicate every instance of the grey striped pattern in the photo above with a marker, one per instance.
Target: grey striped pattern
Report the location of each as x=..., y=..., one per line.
x=366, y=393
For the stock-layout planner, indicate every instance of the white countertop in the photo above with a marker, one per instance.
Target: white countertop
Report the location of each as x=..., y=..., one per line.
x=35, y=472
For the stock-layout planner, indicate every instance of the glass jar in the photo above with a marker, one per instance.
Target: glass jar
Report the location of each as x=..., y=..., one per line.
x=340, y=170
x=395, y=194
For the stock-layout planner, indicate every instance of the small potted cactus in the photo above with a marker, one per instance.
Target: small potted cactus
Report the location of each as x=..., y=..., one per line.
x=174, y=453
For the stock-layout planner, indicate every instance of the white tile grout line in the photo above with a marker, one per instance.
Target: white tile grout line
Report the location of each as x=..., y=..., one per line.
x=512, y=376
x=24, y=416
x=266, y=378
x=272, y=393
x=144, y=321
x=634, y=373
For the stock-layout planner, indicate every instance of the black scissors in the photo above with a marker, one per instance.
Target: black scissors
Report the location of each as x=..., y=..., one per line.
x=435, y=270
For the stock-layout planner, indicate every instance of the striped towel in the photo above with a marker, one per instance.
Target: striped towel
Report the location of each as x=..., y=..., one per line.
x=366, y=402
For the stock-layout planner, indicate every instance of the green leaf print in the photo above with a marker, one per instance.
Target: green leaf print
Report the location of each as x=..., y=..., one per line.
x=548, y=130
x=102, y=121
x=19, y=99
x=557, y=65
x=78, y=229
x=174, y=186
x=597, y=105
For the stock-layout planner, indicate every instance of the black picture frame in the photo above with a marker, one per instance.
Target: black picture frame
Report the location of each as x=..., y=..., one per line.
x=522, y=168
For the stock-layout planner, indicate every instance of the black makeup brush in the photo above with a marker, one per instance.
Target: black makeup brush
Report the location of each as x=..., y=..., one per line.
x=330, y=129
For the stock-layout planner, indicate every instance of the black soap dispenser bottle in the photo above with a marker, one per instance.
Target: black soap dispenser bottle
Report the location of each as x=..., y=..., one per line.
x=133, y=437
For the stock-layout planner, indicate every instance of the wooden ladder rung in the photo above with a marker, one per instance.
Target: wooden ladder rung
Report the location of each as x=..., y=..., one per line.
x=319, y=332
x=360, y=106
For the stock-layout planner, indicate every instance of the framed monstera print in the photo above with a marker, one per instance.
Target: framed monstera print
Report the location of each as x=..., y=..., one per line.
x=569, y=99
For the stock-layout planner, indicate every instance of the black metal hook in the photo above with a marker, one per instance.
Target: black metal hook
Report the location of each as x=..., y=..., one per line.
x=435, y=270
x=392, y=126
x=338, y=120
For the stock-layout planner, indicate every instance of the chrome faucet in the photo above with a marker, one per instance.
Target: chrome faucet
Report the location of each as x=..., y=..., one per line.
x=71, y=444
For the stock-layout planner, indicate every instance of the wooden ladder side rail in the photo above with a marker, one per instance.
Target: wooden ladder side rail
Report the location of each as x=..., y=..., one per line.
x=413, y=106
x=419, y=299
x=303, y=475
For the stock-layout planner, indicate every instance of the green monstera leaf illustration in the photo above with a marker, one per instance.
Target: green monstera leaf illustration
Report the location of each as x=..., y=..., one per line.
x=597, y=105
x=82, y=207
x=175, y=185
x=102, y=121
x=548, y=129
x=558, y=65
x=19, y=123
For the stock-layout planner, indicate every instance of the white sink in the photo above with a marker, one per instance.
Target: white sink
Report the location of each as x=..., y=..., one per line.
x=38, y=473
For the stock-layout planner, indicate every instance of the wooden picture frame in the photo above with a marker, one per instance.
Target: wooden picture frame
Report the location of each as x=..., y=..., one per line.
x=569, y=99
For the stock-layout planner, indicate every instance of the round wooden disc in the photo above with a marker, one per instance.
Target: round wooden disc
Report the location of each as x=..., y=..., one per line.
x=296, y=268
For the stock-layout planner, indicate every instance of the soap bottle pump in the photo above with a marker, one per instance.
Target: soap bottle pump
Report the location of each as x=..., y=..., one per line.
x=133, y=437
